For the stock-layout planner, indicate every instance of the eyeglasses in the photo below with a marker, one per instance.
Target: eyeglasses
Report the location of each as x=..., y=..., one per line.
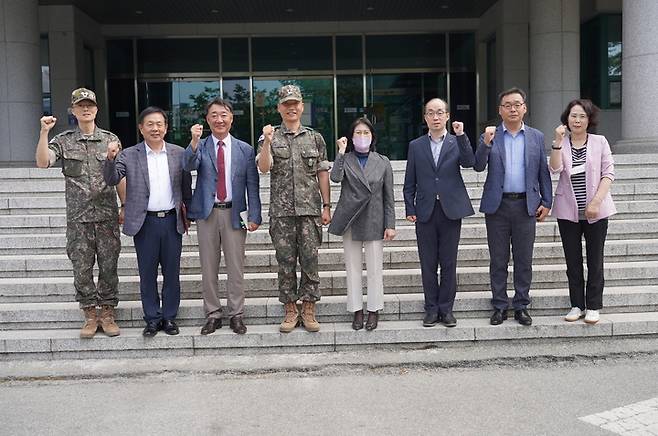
x=433, y=114
x=578, y=116
x=362, y=132
x=509, y=106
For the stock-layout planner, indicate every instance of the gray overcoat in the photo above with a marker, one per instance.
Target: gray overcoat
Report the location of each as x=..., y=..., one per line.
x=366, y=204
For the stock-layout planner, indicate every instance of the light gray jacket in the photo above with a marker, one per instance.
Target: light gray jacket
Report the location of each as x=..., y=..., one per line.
x=366, y=204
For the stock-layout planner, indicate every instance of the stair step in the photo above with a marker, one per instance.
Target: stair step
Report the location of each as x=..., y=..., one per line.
x=396, y=281
x=58, y=265
x=66, y=344
x=554, y=302
x=13, y=244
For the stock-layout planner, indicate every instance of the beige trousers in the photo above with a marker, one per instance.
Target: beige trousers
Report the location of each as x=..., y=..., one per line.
x=215, y=235
x=374, y=252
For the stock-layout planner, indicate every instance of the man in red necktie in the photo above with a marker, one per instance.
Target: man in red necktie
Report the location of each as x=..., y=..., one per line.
x=226, y=177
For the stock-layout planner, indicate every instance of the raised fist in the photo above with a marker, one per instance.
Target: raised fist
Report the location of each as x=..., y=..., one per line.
x=268, y=134
x=196, y=131
x=112, y=150
x=489, y=133
x=458, y=127
x=48, y=122
x=560, y=133
x=341, y=143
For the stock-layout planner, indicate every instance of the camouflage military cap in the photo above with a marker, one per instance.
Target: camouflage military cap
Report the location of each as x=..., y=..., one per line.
x=289, y=92
x=82, y=94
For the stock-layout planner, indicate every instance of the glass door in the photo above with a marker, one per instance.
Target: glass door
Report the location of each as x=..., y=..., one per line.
x=318, y=93
x=184, y=102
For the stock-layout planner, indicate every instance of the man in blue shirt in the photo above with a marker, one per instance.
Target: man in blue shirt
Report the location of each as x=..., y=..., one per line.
x=517, y=193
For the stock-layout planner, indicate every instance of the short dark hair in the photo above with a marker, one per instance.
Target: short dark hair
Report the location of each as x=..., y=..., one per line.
x=513, y=90
x=219, y=102
x=149, y=111
x=366, y=121
x=590, y=109
x=436, y=98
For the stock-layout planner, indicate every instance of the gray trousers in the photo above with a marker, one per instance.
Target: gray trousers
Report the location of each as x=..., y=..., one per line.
x=216, y=234
x=510, y=223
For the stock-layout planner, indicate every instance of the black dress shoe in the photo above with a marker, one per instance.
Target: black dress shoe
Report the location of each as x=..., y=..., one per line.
x=211, y=325
x=523, y=317
x=498, y=317
x=448, y=319
x=237, y=325
x=169, y=327
x=373, y=318
x=430, y=320
x=357, y=322
x=151, y=329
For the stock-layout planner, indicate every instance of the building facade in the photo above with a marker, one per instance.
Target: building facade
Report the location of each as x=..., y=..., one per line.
x=379, y=58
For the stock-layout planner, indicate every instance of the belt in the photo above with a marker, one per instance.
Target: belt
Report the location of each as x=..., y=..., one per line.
x=514, y=195
x=227, y=205
x=161, y=213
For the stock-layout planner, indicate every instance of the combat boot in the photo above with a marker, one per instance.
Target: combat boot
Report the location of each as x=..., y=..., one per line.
x=292, y=318
x=107, y=322
x=308, y=317
x=91, y=323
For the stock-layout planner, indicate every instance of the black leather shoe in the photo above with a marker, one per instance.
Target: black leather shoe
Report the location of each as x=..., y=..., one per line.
x=169, y=327
x=430, y=320
x=373, y=318
x=357, y=322
x=151, y=329
x=211, y=325
x=448, y=319
x=498, y=317
x=523, y=317
x=237, y=325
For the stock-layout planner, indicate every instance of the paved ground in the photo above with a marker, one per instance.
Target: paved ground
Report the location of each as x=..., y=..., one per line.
x=533, y=389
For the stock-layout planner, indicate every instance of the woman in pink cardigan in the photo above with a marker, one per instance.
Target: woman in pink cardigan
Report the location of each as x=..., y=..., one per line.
x=582, y=204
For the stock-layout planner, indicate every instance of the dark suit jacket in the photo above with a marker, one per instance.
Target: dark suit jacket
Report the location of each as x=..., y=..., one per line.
x=131, y=163
x=424, y=179
x=244, y=180
x=367, y=203
x=537, y=177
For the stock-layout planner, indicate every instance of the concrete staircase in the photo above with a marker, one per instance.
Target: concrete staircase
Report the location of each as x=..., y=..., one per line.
x=40, y=320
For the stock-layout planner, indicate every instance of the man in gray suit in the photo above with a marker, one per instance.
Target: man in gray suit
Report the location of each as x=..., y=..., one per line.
x=156, y=187
x=436, y=200
x=517, y=193
x=226, y=175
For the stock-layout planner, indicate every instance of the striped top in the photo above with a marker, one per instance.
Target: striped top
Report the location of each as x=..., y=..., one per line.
x=578, y=157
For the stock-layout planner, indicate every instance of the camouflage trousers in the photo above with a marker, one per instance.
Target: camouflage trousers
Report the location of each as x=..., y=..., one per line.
x=87, y=243
x=297, y=237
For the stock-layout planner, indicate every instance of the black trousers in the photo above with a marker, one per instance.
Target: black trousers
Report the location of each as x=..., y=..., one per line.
x=438, y=241
x=511, y=224
x=595, y=234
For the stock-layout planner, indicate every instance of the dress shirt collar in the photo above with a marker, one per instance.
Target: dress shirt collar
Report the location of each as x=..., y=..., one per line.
x=441, y=138
x=149, y=150
x=226, y=141
x=522, y=129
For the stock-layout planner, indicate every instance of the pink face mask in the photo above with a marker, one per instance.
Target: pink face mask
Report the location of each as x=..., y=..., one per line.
x=362, y=143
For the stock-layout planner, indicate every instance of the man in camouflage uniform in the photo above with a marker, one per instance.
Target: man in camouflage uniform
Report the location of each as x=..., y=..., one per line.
x=92, y=227
x=299, y=205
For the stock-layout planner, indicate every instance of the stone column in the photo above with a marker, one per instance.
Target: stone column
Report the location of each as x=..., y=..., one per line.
x=554, y=61
x=639, y=128
x=20, y=81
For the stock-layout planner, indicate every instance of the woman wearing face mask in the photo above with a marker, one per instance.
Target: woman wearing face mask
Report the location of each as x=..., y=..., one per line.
x=364, y=216
x=582, y=204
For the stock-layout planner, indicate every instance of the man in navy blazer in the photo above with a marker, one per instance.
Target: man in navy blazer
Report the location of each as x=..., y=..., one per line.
x=436, y=200
x=156, y=189
x=517, y=193
x=226, y=177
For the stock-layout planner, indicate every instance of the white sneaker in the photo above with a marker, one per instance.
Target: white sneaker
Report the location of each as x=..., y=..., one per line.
x=592, y=316
x=574, y=314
